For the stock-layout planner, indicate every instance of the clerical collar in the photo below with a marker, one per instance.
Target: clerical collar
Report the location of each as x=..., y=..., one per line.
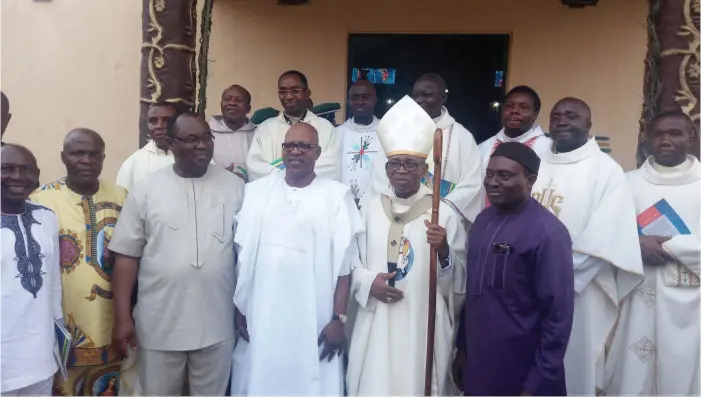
x=362, y=127
x=682, y=174
x=533, y=132
x=293, y=120
x=151, y=147
x=589, y=149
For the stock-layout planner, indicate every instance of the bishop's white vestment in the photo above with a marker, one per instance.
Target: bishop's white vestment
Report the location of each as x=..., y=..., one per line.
x=294, y=245
x=461, y=182
x=655, y=350
x=360, y=148
x=587, y=190
x=265, y=153
x=388, y=346
x=534, y=138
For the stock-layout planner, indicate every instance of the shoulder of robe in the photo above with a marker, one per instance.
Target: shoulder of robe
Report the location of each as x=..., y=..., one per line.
x=266, y=125
x=321, y=124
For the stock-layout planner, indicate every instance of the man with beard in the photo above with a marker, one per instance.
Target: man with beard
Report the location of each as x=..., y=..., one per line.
x=87, y=210
x=233, y=130
x=461, y=182
x=176, y=235
x=31, y=280
x=587, y=190
x=359, y=136
x=297, y=238
x=655, y=350
x=518, y=307
x=520, y=109
x=154, y=155
x=265, y=154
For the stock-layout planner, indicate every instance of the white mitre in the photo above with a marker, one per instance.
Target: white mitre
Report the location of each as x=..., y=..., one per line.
x=406, y=129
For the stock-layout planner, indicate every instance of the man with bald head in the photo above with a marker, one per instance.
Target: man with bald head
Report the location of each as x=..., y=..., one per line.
x=233, y=130
x=587, y=190
x=297, y=244
x=31, y=280
x=461, y=179
x=176, y=236
x=87, y=209
x=360, y=146
x=265, y=154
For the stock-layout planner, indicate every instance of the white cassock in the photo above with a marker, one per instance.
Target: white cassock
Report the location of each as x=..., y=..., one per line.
x=461, y=183
x=360, y=148
x=388, y=345
x=294, y=245
x=587, y=190
x=655, y=350
x=265, y=153
x=141, y=164
x=534, y=138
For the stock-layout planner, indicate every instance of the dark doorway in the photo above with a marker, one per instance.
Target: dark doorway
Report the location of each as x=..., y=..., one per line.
x=473, y=66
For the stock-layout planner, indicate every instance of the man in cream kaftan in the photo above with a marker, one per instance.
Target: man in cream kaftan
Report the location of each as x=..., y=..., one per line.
x=586, y=189
x=519, y=112
x=388, y=345
x=656, y=346
x=233, y=131
x=265, y=153
x=296, y=244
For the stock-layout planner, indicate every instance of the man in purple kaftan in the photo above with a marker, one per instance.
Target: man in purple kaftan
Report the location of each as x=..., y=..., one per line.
x=519, y=300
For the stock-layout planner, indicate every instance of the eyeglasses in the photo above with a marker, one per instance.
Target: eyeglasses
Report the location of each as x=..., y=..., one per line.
x=395, y=165
x=194, y=140
x=302, y=147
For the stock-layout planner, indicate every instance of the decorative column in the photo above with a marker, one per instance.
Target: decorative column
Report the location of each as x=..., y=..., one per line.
x=168, y=69
x=672, y=64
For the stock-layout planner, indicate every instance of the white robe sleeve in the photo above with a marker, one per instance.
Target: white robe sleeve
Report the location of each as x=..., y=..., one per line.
x=257, y=162
x=586, y=267
x=362, y=277
x=57, y=291
x=125, y=176
x=452, y=278
x=687, y=249
x=328, y=166
x=467, y=194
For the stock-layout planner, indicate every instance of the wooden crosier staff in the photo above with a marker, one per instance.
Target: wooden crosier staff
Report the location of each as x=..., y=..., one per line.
x=437, y=174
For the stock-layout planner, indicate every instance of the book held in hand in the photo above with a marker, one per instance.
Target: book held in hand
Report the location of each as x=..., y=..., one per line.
x=661, y=220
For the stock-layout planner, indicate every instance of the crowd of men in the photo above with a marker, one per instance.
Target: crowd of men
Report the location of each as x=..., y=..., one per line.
x=292, y=257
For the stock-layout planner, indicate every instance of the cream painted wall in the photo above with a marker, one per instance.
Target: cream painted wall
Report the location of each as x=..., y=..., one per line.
x=595, y=54
x=75, y=63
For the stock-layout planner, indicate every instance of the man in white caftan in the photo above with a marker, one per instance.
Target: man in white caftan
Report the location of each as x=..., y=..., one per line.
x=154, y=155
x=388, y=346
x=520, y=109
x=360, y=146
x=31, y=280
x=297, y=237
x=265, y=153
x=175, y=233
x=655, y=350
x=587, y=190
x=461, y=182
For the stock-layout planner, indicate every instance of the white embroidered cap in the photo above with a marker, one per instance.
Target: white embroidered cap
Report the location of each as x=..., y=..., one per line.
x=406, y=129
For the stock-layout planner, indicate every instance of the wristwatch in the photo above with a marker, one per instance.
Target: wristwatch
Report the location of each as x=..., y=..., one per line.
x=341, y=318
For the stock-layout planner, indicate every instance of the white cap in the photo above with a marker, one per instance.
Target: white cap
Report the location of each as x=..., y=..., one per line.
x=406, y=129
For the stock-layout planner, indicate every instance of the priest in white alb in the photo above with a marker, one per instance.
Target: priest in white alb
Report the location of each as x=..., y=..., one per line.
x=388, y=345
x=297, y=236
x=265, y=153
x=520, y=109
x=587, y=190
x=360, y=146
x=155, y=154
x=655, y=350
x=461, y=179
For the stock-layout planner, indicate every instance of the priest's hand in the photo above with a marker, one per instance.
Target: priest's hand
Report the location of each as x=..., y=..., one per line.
x=652, y=251
x=333, y=336
x=241, y=325
x=123, y=334
x=383, y=292
x=437, y=238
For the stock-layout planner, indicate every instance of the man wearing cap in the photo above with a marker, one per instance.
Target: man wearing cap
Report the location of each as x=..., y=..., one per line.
x=587, y=190
x=519, y=113
x=519, y=301
x=388, y=346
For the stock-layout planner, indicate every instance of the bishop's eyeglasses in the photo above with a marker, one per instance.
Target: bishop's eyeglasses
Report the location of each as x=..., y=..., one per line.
x=302, y=147
x=395, y=165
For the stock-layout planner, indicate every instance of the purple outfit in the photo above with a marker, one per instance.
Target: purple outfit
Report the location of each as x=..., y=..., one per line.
x=519, y=304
